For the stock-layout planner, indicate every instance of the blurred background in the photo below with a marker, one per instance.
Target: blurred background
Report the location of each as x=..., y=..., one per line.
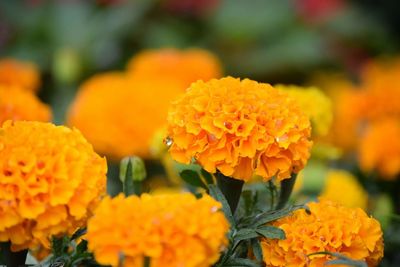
x=276, y=41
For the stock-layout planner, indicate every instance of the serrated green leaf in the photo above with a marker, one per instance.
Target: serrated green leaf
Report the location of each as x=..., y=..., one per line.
x=271, y=232
x=244, y=234
x=207, y=176
x=240, y=262
x=257, y=250
x=270, y=216
x=192, y=177
x=216, y=193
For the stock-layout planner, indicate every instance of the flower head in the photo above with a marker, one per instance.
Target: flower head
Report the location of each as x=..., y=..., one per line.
x=185, y=66
x=19, y=104
x=161, y=227
x=50, y=182
x=240, y=128
x=315, y=104
x=120, y=115
x=342, y=187
x=379, y=148
x=328, y=227
x=18, y=73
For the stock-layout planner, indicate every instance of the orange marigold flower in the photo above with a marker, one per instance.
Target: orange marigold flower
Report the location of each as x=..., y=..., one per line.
x=161, y=227
x=22, y=74
x=186, y=66
x=119, y=115
x=342, y=187
x=19, y=104
x=50, y=182
x=328, y=227
x=239, y=128
x=380, y=148
x=381, y=89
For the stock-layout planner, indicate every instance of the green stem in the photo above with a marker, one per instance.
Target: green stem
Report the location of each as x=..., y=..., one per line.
x=231, y=188
x=12, y=259
x=271, y=188
x=146, y=262
x=286, y=190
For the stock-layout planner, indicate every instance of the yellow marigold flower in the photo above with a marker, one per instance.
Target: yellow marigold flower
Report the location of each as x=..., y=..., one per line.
x=119, y=115
x=379, y=148
x=315, y=104
x=22, y=74
x=239, y=128
x=161, y=227
x=342, y=187
x=19, y=104
x=329, y=227
x=50, y=182
x=186, y=66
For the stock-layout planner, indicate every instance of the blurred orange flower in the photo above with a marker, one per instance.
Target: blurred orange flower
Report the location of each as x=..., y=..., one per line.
x=119, y=115
x=19, y=73
x=184, y=66
x=379, y=148
x=50, y=182
x=161, y=227
x=328, y=227
x=19, y=104
x=240, y=128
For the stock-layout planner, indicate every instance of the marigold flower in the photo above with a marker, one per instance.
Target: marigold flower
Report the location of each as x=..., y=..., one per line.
x=342, y=187
x=381, y=90
x=380, y=148
x=185, y=66
x=50, y=182
x=239, y=128
x=315, y=104
x=328, y=227
x=18, y=73
x=161, y=227
x=19, y=104
x=119, y=115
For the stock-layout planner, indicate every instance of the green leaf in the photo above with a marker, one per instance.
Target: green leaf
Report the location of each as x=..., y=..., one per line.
x=191, y=177
x=240, y=262
x=207, y=176
x=270, y=216
x=216, y=193
x=351, y=263
x=271, y=232
x=341, y=259
x=82, y=247
x=257, y=250
x=244, y=234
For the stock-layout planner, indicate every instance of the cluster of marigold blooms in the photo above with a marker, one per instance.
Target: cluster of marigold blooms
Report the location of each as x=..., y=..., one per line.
x=52, y=181
x=369, y=110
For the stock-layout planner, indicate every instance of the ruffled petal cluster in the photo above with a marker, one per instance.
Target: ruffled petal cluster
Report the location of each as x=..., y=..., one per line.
x=170, y=229
x=119, y=115
x=379, y=148
x=20, y=104
x=343, y=187
x=328, y=227
x=120, y=112
x=50, y=182
x=315, y=104
x=185, y=66
x=240, y=128
x=18, y=73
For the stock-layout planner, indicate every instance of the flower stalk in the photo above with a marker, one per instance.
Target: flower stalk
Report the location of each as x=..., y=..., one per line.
x=286, y=190
x=12, y=259
x=231, y=188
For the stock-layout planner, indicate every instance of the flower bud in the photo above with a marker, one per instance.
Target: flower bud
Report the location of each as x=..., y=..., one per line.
x=133, y=168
